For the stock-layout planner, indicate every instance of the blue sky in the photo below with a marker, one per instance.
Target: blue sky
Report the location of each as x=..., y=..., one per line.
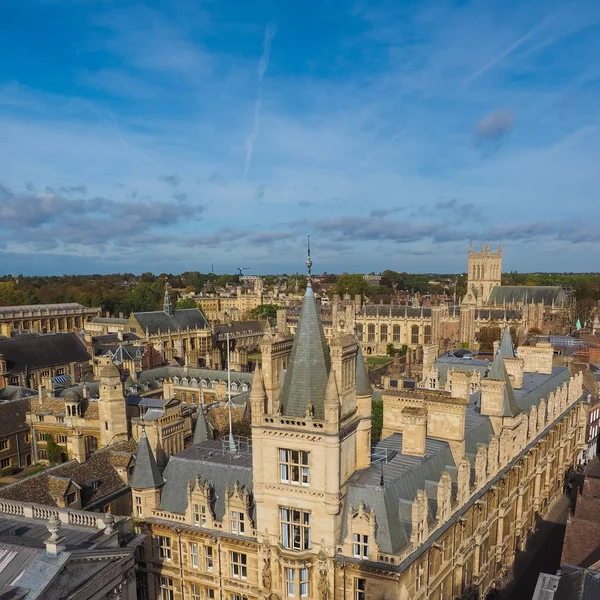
x=171, y=135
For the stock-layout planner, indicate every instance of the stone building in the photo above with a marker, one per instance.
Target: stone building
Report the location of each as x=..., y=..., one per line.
x=96, y=414
x=45, y=318
x=486, y=304
x=56, y=553
x=48, y=360
x=182, y=334
x=307, y=508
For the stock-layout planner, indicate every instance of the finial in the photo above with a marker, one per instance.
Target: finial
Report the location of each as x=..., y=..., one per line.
x=308, y=260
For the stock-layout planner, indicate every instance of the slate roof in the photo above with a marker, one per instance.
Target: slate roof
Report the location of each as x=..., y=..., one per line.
x=530, y=294
x=309, y=365
x=146, y=474
x=43, y=351
x=506, y=344
x=201, y=433
x=99, y=466
x=466, y=363
x=374, y=310
x=241, y=327
x=13, y=416
x=578, y=584
x=363, y=385
x=15, y=392
x=35, y=309
x=209, y=461
x=510, y=407
x=181, y=320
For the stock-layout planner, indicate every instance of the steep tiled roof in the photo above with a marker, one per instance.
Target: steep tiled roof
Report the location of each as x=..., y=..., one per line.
x=98, y=467
x=363, y=385
x=201, y=429
x=498, y=371
x=506, y=344
x=146, y=474
x=12, y=416
x=308, y=369
x=182, y=319
x=530, y=294
x=43, y=351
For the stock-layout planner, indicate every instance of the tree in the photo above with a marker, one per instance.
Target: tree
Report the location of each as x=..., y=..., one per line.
x=265, y=311
x=352, y=284
x=390, y=350
x=486, y=338
x=55, y=452
x=187, y=303
x=376, y=420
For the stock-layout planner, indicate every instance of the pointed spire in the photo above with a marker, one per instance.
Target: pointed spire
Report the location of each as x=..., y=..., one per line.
x=167, y=306
x=506, y=344
x=363, y=385
x=500, y=248
x=258, y=394
x=471, y=247
x=146, y=474
x=309, y=364
x=201, y=433
x=498, y=371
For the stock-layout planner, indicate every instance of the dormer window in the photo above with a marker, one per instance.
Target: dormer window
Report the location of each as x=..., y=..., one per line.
x=71, y=498
x=237, y=522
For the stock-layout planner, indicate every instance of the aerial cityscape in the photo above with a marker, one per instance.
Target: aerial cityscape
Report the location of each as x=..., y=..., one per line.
x=299, y=301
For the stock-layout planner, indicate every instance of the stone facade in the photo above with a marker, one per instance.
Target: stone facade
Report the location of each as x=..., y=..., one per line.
x=435, y=510
x=45, y=318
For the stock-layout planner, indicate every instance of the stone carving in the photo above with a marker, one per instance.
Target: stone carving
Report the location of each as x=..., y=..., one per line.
x=53, y=526
x=109, y=521
x=310, y=410
x=323, y=585
x=267, y=577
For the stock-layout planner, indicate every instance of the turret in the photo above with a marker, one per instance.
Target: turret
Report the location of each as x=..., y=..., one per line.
x=167, y=305
x=111, y=404
x=258, y=397
x=146, y=481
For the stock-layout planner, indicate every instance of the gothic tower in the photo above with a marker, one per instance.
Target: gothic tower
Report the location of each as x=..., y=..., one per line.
x=306, y=446
x=111, y=404
x=485, y=273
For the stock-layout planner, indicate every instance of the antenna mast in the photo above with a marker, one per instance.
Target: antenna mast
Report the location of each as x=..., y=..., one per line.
x=232, y=447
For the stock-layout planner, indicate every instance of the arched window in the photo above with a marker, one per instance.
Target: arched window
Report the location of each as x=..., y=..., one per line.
x=427, y=334
x=482, y=272
x=396, y=334
x=371, y=333
x=383, y=333
x=414, y=334
x=359, y=331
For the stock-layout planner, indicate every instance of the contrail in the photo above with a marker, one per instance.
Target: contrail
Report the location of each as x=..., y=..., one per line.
x=510, y=49
x=262, y=68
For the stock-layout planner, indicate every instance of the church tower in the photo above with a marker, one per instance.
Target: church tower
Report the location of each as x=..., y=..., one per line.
x=306, y=446
x=112, y=412
x=485, y=273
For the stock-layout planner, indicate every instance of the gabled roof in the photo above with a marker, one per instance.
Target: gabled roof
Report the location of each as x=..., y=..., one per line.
x=363, y=385
x=181, y=320
x=528, y=294
x=308, y=369
x=38, y=352
x=145, y=473
x=498, y=371
x=506, y=344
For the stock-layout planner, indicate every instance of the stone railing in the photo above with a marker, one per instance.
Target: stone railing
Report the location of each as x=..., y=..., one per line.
x=68, y=516
x=168, y=516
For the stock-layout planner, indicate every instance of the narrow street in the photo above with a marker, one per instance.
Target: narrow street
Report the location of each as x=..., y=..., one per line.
x=543, y=551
